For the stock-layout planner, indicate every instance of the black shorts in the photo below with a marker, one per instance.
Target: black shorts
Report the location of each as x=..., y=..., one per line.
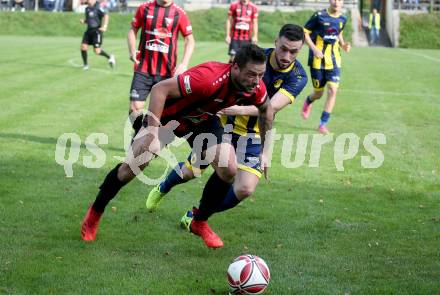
x=206, y=135
x=93, y=37
x=141, y=85
x=211, y=131
x=235, y=45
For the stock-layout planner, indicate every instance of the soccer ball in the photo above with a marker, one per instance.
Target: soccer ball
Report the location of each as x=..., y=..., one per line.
x=248, y=274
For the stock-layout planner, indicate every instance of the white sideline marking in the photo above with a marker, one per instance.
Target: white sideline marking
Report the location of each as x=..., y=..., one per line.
x=420, y=54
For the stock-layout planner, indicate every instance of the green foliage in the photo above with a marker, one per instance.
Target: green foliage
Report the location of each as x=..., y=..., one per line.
x=208, y=25
x=420, y=30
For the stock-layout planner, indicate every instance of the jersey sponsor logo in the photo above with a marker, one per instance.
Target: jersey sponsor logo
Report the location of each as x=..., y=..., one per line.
x=330, y=37
x=242, y=26
x=160, y=32
x=157, y=45
x=187, y=84
x=331, y=34
x=249, y=12
x=150, y=16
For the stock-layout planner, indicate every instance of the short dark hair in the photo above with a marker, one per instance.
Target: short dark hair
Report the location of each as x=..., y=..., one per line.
x=249, y=52
x=292, y=32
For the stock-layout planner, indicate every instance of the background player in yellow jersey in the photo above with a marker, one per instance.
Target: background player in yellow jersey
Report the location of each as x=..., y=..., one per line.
x=284, y=78
x=323, y=34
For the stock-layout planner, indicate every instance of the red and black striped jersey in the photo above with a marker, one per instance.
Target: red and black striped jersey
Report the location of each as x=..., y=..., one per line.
x=206, y=89
x=243, y=16
x=159, y=33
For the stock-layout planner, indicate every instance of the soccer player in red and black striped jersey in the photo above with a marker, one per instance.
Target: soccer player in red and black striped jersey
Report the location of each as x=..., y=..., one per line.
x=186, y=106
x=160, y=22
x=241, y=26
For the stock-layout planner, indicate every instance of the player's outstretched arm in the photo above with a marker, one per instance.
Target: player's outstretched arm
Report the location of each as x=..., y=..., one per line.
x=278, y=102
x=160, y=92
x=265, y=117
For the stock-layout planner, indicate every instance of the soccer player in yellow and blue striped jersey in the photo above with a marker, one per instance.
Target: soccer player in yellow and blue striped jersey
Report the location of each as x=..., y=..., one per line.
x=323, y=35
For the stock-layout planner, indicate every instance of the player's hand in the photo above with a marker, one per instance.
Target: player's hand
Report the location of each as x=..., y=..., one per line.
x=264, y=160
x=254, y=40
x=151, y=140
x=230, y=111
x=180, y=69
x=228, y=40
x=133, y=58
x=346, y=47
x=103, y=28
x=318, y=53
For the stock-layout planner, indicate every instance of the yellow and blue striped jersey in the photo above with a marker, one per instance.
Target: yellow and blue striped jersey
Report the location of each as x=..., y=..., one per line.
x=290, y=82
x=324, y=30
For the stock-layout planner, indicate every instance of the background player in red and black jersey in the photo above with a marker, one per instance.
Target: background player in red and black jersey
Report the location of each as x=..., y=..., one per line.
x=97, y=22
x=160, y=22
x=187, y=106
x=241, y=26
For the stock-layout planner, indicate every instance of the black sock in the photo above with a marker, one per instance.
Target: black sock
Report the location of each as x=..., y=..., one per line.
x=84, y=56
x=103, y=53
x=137, y=124
x=108, y=190
x=213, y=194
x=229, y=201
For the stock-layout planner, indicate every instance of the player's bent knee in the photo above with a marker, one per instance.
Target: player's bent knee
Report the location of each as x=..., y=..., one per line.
x=136, y=106
x=244, y=191
x=332, y=90
x=83, y=47
x=97, y=50
x=317, y=94
x=227, y=173
x=187, y=174
x=125, y=174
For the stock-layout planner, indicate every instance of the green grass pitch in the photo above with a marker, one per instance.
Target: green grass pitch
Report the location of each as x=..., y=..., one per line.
x=321, y=231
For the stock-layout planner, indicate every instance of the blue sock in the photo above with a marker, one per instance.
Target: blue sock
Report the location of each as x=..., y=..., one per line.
x=324, y=118
x=172, y=180
x=230, y=201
